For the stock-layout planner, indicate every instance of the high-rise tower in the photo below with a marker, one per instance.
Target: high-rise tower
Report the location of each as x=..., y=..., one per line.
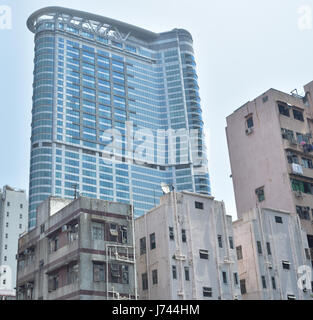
x=116, y=111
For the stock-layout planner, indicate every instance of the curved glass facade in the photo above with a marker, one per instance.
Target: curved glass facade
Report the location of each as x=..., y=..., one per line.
x=115, y=114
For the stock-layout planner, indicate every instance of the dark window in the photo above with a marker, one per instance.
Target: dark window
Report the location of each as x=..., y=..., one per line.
x=42, y=228
x=292, y=158
x=310, y=241
x=220, y=241
x=260, y=194
x=302, y=138
x=21, y=206
x=298, y=115
x=286, y=265
x=239, y=252
x=283, y=109
x=187, y=278
x=259, y=246
x=184, y=237
x=125, y=274
x=98, y=272
x=224, y=277
x=53, y=282
x=204, y=254
x=250, y=123
x=268, y=246
x=207, y=292
x=263, y=282
x=278, y=219
x=171, y=230
x=307, y=163
x=243, y=288
x=199, y=205
x=301, y=186
x=152, y=241
x=288, y=134
x=155, y=276
x=97, y=231
x=143, y=246
x=115, y=273
x=273, y=283
x=231, y=243
x=307, y=253
x=8, y=203
x=124, y=234
x=144, y=281
x=174, y=272
x=303, y=212
x=236, y=278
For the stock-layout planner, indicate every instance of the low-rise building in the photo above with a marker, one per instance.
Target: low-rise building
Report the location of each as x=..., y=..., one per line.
x=13, y=222
x=80, y=250
x=273, y=256
x=185, y=250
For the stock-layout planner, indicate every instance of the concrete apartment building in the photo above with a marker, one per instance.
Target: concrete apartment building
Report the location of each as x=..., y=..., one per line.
x=13, y=222
x=185, y=250
x=272, y=252
x=270, y=149
x=80, y=250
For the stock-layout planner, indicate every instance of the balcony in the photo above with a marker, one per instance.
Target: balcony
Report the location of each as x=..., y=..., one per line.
x=63, y=291
x=64, y=254
x=292, y=144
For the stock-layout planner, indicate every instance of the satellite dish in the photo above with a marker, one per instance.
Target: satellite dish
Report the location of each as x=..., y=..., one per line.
x=165, y=188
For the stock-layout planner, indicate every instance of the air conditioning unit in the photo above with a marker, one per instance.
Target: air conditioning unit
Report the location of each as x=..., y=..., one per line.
x=249, y=131
x=298, y=194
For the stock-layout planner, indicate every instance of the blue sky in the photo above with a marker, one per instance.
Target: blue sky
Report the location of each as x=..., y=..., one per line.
x=242, y=49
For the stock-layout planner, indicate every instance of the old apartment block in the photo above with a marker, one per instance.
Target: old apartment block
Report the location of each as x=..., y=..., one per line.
x=185, y=250
x=80, y=250
x=271, y=153
x=272, y=252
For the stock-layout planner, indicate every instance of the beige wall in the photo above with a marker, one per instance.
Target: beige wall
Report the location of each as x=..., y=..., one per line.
x=260, y=159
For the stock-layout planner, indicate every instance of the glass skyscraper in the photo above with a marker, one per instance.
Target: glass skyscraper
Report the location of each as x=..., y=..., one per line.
x=116, y=111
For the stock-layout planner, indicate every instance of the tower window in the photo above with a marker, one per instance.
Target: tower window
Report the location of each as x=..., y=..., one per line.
x=298, y=115
x=249, y=122
x=199, y=205
x=260, y=194
x=283, y=109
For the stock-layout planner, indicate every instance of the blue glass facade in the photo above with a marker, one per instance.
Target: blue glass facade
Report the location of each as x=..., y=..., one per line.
x=89, y=79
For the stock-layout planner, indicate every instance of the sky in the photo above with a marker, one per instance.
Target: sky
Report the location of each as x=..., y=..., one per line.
x=242, y=49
